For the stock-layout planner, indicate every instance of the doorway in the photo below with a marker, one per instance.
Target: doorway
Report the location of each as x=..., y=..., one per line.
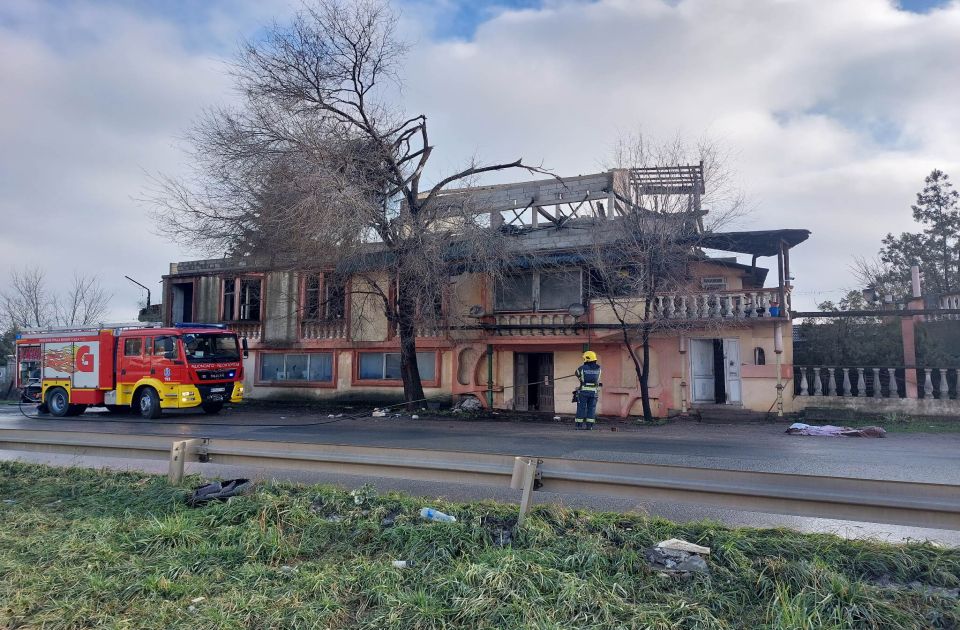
x=182, y=308
x=533, y=380
x=715, y=371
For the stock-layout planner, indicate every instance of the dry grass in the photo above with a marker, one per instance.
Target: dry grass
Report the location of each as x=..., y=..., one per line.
x=82, y=548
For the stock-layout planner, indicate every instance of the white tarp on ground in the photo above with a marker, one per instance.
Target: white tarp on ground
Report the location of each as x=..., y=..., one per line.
x=799, y=428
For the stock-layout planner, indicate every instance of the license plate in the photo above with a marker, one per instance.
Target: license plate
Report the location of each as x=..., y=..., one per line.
x=218, y=389
x=215, y=397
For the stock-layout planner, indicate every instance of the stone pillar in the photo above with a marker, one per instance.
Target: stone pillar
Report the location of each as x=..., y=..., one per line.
x=817, y=383
x=804, y=391
x=944, y=385
x=846, y=382
x=877, y=388
x=909, y=355
x=927, y=383
x=861, y=384
x=831, y=383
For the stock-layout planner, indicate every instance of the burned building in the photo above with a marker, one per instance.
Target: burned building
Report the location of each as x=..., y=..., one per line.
x=719, y=335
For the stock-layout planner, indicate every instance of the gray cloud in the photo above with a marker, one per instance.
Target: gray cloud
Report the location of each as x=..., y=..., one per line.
x=835, y=111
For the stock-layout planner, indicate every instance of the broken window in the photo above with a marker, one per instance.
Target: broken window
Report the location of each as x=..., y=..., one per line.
x=336, y=298
x=241, y=299
x=250, y=299
x=553, y=290
x=313, y=298
x=229, y=299
x=624, y=281
x=515, y=292
x=559, y=289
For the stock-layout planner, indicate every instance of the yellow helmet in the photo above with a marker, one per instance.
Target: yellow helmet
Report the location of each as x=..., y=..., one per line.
x=589, y=355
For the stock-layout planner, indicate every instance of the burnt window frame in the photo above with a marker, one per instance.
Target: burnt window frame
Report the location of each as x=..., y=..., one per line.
x=240, y=304
x=535, y=284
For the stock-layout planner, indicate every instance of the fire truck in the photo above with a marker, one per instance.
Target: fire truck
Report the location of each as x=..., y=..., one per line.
x=146, y=368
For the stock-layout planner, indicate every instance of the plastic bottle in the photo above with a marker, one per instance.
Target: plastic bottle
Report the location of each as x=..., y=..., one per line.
x=433, y=515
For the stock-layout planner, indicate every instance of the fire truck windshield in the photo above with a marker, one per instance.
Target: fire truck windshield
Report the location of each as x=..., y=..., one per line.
x=202, y=347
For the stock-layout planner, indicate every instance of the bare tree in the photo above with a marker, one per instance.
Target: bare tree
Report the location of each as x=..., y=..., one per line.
x=30, y=303
x=650, y=247
x=85, y=302
x=27, y=303
x=319, y=169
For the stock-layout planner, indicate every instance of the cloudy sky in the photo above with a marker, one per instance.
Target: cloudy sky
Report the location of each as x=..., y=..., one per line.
x=834, y=110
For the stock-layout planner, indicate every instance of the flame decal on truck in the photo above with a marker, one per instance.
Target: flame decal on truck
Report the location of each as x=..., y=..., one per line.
x=60, y=360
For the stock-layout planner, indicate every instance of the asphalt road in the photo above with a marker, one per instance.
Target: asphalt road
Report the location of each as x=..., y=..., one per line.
x=919, y=457
x=764, y=447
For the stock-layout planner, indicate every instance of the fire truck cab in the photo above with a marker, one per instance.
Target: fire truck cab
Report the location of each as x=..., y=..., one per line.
x=140, y=367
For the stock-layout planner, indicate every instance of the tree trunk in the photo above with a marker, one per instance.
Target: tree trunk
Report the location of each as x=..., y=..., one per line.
x=406, y=329
x=645, y=377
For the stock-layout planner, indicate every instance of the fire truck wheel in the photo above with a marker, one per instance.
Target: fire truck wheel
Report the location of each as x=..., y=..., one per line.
x=148, y=402
x=58, y=403
x=212, y=407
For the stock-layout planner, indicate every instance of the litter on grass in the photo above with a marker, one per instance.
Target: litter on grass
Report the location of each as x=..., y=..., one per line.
x=681, y=545
x=431, y=514
x=678, y=558
x=799, y=428
x=218, y=491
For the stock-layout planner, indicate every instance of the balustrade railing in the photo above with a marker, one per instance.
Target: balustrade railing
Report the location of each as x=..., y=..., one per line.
x=874, y=382
x=324, y=329
x=250, y=330
x=557, y=324
x=947, y=302
x=718, y=305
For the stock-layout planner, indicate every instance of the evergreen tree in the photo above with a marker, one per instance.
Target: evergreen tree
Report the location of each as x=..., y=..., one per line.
x=936, y=249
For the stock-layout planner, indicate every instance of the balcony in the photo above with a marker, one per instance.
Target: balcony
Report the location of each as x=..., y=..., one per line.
x=250, y=330
x=537, y=324
x=719, y=305
x=324, y=329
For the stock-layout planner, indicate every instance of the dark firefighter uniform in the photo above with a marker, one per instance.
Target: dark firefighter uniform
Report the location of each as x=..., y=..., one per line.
x=589, y=376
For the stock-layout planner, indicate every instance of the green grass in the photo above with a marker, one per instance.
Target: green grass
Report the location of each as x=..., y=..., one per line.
x=82, y=548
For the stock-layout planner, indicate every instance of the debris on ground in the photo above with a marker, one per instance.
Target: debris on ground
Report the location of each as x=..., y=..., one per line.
x=390, y=519
x=677, y=557
x=829, y=430
x=402, y=564
x=377, y=413
x=288, y=570
x=681, y=545
x=364, y=495
x=197, y=600
x=468, y=405
x=335, y=518
x=414, y=417
x=501, y=530
x=431, y=514
x=218, y=491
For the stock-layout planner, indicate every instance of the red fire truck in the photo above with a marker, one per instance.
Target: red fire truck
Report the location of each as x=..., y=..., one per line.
x=141, y=367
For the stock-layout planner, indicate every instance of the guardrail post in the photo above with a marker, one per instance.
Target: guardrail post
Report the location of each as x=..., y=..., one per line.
x=524, y=478
x=178, y=457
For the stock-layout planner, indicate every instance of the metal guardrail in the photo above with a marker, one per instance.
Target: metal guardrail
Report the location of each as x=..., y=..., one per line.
x=873, y=500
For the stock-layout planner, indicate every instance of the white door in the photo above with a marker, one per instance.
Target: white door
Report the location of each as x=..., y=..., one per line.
x=731, y=362
x=701, y=366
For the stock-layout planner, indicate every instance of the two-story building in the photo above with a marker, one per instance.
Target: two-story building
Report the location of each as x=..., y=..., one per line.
x=510, y=341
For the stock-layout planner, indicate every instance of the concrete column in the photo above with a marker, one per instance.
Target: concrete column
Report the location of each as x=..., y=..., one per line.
x=907, y=333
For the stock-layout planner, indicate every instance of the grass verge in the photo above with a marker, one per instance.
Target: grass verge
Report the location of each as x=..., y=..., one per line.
x=82, y=548
x=892, y=422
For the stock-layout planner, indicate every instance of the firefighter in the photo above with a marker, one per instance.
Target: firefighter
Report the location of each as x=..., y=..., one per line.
x=586, y=395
